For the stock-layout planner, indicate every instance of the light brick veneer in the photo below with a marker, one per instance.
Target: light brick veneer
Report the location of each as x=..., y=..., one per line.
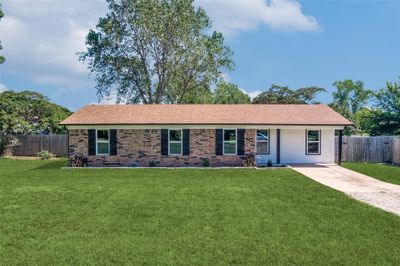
x=137, y=147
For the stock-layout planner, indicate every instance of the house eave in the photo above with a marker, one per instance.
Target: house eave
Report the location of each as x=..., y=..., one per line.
x=207, y=126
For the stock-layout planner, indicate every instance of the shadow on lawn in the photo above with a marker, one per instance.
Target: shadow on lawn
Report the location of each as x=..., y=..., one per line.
x=51, y=165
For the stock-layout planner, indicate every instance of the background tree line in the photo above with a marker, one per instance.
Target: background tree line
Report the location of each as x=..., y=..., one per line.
x=28, y=112
x=373, y=112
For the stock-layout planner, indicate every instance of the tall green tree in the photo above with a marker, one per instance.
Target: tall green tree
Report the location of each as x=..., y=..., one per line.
x=229, y=93
x=201, y=95
x=155, y=51
x=349, y=98
x=29, y=112
x=2, y=58
x=284, y=95
x=386, y=115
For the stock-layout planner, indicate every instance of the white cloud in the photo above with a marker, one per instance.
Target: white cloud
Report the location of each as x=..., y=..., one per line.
x=3, y=88
x=225, y=77
x=41, y=39
x=231, y=17
x=253, y=94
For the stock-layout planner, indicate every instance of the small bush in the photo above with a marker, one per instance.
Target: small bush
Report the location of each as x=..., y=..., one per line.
x=79, y=161
x=249, y=160
x=152, y=163
x=7, y=144
x=44, y=155
x=206, y=162
x=269, y=163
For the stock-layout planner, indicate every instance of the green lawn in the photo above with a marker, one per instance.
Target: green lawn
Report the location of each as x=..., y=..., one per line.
x=184, y=216
x=387, y=173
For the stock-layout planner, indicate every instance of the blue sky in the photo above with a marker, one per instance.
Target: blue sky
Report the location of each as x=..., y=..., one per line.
x=295, y=43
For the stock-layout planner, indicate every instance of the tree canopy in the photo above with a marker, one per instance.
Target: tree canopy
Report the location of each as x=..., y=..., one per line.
x=29, y=112
x=2, y=58
x=350, y=98
x=386, y=114
x=229, y=93
x=155, y=51
x=373, y=113
x=284, y=95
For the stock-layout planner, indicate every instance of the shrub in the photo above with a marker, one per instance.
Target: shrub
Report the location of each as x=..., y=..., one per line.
x=206, y=162
x=7, y=144
x=269, y=163
x=152, y=163
x=44, y=155
x=78, y=161
x=249, y=160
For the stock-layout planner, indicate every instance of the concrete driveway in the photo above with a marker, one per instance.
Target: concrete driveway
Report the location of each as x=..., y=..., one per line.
x=361, y=187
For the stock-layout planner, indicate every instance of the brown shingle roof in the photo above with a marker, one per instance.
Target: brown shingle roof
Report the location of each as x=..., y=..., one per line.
x=216, y=114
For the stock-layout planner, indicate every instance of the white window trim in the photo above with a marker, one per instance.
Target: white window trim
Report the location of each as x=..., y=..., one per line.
x=223, y=141
x=313, y=141
x=102, y=141
x=267, y=141
x=175, y=141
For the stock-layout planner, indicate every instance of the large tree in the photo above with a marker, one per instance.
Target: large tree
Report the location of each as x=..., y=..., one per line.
x=350, y=98
x=29, y=112
x=155, y=51
x=386, y=115
x=2, y=58
x=229, y=93
x=284, y=95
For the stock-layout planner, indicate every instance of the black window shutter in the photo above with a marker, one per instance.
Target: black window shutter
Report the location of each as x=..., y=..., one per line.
x=219, y=141
x=164, y=141
x=92, y=141
x=186, y=142
x=240, y=141
x=113, y=142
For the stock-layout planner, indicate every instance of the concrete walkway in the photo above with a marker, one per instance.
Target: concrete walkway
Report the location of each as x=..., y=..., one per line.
x=361, y=187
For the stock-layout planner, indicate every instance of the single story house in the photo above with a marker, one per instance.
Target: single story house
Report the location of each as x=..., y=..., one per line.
x=189, y=135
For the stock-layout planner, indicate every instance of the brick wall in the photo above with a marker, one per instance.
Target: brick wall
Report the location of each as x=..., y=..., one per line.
x=137, y=147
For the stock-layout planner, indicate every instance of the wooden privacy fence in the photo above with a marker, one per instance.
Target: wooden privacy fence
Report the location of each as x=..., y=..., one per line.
x=30, y=145
x=370, y=149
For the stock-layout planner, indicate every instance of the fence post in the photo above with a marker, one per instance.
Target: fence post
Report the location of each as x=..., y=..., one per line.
x=340, y=147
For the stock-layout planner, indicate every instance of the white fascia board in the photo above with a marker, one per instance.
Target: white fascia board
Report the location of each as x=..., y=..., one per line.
x=203, y=126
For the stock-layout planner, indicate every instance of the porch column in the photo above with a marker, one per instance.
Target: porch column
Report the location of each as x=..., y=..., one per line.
x=340, y=147
x=278, y=146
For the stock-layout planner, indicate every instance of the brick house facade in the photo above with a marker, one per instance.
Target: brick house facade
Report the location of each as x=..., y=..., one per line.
x=195, y=135
x=139, y=147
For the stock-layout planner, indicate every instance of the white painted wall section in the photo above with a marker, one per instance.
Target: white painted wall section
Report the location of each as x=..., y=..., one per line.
x=293, y=147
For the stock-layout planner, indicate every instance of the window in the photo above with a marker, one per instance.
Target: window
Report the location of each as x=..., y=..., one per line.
x=175, y=141
x=262, y=141
x=313, y=144
x=102, y=142
x=229, y=141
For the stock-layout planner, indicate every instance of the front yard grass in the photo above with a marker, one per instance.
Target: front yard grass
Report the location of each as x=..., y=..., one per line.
x=387, y=173
x=184, y=216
